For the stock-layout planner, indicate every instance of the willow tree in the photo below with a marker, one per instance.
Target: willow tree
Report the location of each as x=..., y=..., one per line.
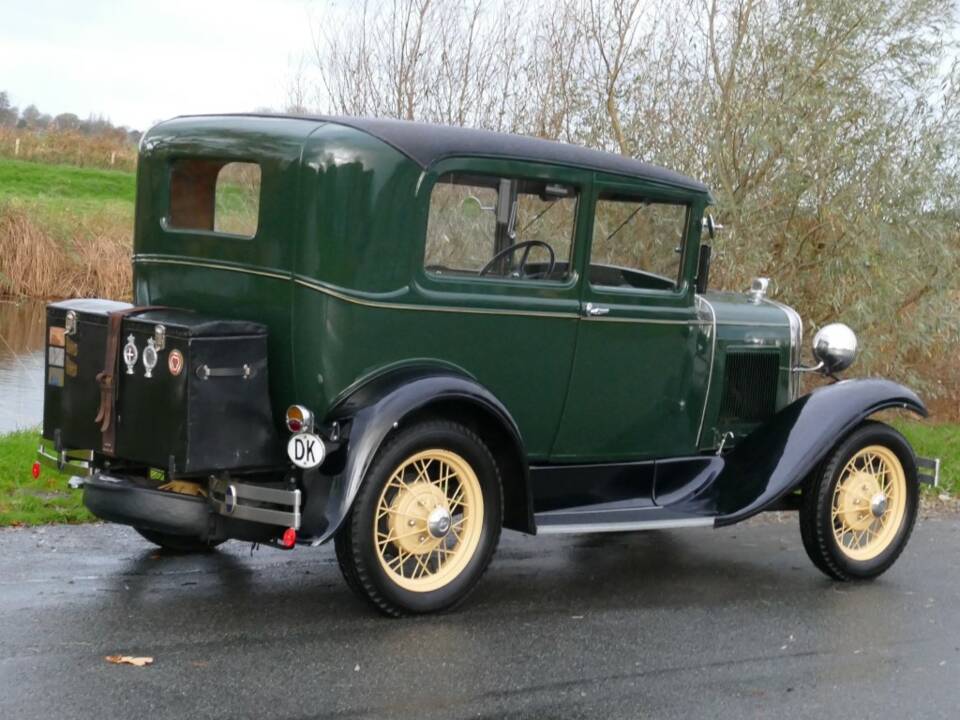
x=828, y=129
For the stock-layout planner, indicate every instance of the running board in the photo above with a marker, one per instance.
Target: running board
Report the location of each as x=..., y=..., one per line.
x=559, y=522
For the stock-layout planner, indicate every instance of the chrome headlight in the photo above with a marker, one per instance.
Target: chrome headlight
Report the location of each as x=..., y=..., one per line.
x=835, y=345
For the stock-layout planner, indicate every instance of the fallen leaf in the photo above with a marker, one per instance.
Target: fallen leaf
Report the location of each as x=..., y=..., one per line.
x=129, y=660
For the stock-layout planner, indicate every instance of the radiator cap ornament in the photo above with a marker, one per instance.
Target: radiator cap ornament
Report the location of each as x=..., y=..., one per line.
x=130, y=354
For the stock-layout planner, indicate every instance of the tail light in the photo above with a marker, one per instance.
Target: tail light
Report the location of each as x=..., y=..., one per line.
x=35, y=470
x=289, y=538
x=299, y=419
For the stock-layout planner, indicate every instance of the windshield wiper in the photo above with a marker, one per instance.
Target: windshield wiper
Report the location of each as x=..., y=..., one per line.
x=629, y=218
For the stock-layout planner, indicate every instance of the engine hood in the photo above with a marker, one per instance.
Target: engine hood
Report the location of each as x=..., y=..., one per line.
x=732, y=308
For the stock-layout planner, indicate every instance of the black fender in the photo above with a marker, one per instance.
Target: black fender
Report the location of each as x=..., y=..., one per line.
x=372, y=410
x=775, y=459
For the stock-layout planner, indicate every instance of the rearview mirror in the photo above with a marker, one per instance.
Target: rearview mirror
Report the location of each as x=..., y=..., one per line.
x=711, y=226
x=471, y=207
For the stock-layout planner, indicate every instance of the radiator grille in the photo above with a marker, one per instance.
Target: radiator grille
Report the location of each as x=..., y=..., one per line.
x=749, y=386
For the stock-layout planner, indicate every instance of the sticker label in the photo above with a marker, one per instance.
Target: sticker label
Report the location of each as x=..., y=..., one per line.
x=57, y=336
x=55, y=377
x=55, y=356
x=175, y=362
x=71, y=368
x=71, y=347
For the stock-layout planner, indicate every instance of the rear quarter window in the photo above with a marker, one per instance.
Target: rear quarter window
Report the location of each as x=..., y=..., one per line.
x=214, y=196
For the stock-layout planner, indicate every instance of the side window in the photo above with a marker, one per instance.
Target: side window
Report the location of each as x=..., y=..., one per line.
x=637, y=243
x=487, y=226
x=215, y=196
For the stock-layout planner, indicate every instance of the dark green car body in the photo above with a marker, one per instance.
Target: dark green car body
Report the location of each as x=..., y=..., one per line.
x=335, y=269
x=405, y=337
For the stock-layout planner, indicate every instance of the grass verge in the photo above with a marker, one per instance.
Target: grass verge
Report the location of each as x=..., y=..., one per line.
x=28, y=501
x=25, y=500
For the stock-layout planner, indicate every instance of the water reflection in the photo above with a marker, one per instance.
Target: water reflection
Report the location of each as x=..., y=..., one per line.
x=21, y=364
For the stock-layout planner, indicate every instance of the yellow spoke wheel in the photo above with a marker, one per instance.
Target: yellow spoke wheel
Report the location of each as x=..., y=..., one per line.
x=429, y=520
x=869, y=502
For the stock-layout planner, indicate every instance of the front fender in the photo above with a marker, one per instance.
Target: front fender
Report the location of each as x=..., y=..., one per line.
x=373, y=410
x=774, y=459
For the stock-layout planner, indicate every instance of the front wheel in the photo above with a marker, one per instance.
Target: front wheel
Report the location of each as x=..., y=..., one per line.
x=426, y=521
x=859, y=509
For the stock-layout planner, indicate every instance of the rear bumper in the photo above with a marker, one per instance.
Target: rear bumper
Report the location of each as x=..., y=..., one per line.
x=248, y=512
x=120, y=500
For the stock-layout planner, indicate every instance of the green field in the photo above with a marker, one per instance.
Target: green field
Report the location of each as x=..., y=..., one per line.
x=67, y=202
x=49, y=182
x=25, y=501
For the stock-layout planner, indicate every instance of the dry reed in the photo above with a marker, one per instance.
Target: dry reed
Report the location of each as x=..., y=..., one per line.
x=93, y=262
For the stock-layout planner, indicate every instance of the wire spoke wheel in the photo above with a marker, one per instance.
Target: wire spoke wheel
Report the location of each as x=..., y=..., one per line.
x=869, y=503
x=429, y=520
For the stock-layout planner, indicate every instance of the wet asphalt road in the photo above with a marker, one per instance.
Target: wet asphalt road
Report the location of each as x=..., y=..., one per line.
x=733, y=623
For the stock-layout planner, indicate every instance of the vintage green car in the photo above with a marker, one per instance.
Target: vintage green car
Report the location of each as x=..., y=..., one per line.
x=404, y=337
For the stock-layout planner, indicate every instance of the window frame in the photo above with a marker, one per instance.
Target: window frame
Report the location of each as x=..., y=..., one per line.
x=576, y=178
x=652, y=194
x=165, y=223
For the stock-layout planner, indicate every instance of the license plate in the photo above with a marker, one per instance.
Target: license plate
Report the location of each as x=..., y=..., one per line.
x=305, y=450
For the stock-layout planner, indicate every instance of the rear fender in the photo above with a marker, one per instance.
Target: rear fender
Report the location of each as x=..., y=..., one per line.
x=372, y=411
x=776, y=458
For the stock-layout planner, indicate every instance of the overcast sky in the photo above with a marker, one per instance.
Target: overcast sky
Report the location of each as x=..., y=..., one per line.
x=139, y=61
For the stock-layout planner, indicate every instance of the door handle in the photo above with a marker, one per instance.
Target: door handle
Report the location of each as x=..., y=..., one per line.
x=595, y=310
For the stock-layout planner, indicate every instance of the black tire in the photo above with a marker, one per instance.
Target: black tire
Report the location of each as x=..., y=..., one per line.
x=182, y=544
x=816, y=511
x=356, y=550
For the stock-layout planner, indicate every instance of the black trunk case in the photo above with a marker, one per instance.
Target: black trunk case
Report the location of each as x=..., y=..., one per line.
x=181, y=423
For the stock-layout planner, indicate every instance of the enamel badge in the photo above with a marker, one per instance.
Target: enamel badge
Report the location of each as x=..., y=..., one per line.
x=130, y=354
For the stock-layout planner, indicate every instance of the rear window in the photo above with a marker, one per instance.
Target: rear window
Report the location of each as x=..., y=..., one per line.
x=214, y=196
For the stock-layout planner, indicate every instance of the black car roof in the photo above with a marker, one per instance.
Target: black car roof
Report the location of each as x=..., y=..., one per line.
x=425, y=143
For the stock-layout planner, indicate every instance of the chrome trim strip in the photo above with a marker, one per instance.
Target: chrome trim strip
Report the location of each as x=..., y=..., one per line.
x=713, y=356
x=340, y=295
x=159, y=260
x=796, y=344
x=645, y=321
x=622, y=526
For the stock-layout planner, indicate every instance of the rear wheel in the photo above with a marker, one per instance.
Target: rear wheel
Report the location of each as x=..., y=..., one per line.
x=178, y=543
x=426, y=521
x=859, y=510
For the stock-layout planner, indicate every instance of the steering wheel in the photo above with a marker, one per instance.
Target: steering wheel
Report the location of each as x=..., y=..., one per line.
x=526, y=246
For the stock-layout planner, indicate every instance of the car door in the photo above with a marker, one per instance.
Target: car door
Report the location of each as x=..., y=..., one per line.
x=641, y=364
x=498, y=267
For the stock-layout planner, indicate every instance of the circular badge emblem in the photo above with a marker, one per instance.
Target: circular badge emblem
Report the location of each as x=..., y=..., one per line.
x=175, y=362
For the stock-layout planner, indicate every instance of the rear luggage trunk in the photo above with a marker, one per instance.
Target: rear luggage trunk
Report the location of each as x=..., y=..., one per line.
x=191, y=392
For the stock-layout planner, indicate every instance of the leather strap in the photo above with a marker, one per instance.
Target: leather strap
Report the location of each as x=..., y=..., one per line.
x=107, y=379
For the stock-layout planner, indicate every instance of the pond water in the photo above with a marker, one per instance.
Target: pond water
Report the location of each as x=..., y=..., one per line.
x=21, y=364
